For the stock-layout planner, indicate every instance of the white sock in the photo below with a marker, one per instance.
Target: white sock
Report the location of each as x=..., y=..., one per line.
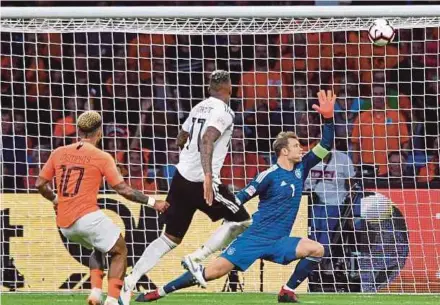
x=151, y=257
x=162, y=292
x=222, y=237
x=288, y=288
x=96, y=293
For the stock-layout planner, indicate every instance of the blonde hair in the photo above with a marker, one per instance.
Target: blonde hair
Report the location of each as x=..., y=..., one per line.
x=89, y=121
x=282, y=141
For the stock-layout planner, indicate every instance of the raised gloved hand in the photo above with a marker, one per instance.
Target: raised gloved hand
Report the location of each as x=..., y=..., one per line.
x=326, y=104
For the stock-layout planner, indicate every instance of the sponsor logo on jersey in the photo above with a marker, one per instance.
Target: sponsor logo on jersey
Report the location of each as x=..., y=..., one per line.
x=298, y=173
x=283, y=183
x=251, y=190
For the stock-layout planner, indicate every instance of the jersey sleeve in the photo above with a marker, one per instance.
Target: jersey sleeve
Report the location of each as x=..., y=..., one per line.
x=48, y=170
x=256, y=187
x=110, y=172
x=321, y=150
x=222, y=121
x=187, y=124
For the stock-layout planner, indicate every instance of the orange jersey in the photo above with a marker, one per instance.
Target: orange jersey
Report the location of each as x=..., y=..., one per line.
x=379, y=133
x=240, y=174
x=78, y=169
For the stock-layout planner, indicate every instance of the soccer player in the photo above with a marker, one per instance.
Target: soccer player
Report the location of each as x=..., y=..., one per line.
x=204, y=140
x=78, y=169
x=280, y=190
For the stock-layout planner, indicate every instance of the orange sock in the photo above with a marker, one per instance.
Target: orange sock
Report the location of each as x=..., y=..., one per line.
x=96, y=276
x=114, y=287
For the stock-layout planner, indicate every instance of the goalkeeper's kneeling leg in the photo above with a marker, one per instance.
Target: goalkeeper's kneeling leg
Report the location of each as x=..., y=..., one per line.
x=310, y=253
x=309, y=248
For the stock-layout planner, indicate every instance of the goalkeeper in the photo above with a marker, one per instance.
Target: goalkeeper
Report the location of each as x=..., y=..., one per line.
x=280, y=190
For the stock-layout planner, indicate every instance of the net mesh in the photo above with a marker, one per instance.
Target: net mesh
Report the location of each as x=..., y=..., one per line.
x=144, y=75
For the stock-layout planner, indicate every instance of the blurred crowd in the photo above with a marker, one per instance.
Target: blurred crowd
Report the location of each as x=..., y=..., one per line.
x=387, y=110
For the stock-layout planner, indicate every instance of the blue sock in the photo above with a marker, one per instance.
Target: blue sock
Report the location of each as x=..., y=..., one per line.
x=183, y=281
x=302, y=270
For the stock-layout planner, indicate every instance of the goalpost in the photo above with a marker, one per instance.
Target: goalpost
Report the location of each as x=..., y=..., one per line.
x=144, y=68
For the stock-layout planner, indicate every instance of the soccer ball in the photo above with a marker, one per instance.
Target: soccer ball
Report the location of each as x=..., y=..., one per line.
x=381, y=32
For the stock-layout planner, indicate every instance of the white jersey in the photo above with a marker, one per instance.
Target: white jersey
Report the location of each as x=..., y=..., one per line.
x=211, y=112
x=327, y=180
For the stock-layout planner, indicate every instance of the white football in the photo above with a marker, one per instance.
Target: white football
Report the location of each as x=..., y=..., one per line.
x=381, y=32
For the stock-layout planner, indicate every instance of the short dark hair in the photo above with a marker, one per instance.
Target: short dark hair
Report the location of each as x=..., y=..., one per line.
x=282, y=141
x=218, y=79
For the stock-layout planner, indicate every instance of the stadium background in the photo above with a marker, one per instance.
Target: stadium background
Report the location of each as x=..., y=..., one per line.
x=145, y=85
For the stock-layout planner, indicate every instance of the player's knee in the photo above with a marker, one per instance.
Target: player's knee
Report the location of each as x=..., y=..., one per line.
x=308, y=247
x=120, y=247
x=319, y=250
x=218, y=268
x=315, y=249
x=174, y=239
x=238, y=227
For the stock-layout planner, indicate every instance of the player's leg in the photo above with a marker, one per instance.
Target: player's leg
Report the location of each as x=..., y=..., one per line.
x=177, y=219
x=116, y=271
x=310, y=252
x=95, y=230
x=234, y=225
x=215, y=270
x=96, y=264
x=75, y=234
x=241, y=254
x=286, y=250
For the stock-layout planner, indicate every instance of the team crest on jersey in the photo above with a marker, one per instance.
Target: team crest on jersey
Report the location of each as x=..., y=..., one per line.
x=230, y=251
x=250, y=190
x=298, y=173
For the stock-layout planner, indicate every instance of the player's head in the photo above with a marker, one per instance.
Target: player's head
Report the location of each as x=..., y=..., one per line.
x=220, y=84
x=89, y=126
x=379, y=97
x=395, y=161
x=287, y=146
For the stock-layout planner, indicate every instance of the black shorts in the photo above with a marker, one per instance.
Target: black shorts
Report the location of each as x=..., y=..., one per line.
x=186, y=197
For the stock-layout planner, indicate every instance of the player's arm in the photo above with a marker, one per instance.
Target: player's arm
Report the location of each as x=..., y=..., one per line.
x=43, y=187
x=183, y=135
x=43, y=181
x=326, y=109
x=256, y=187
x=211, y=135
x=214, y=130
x=114, y=178
x=181, y=139
x=206, y=151
x=132, y=194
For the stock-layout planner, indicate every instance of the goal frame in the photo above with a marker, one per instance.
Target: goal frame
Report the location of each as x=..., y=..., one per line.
x=206, y=20
x=222, y=11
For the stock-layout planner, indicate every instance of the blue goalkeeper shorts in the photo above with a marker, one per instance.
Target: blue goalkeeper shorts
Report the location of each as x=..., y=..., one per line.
x=245, y=250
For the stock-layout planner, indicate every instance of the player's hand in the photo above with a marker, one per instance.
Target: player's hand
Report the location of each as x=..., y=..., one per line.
x=326, y=103
x=208, y=192
x=161, y=206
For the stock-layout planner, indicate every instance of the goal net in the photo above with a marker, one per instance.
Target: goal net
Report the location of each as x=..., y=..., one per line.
x=374, y=203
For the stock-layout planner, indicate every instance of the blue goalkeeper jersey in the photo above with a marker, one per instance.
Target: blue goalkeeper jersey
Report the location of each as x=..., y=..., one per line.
x=280, y=192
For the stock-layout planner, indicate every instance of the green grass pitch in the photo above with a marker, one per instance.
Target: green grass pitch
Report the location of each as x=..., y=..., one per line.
x=232, y=299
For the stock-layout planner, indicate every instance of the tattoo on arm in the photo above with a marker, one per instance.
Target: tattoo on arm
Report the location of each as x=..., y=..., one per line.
x=207, y=148
x=181, y=138
x=130, y=193
x=44, y=189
